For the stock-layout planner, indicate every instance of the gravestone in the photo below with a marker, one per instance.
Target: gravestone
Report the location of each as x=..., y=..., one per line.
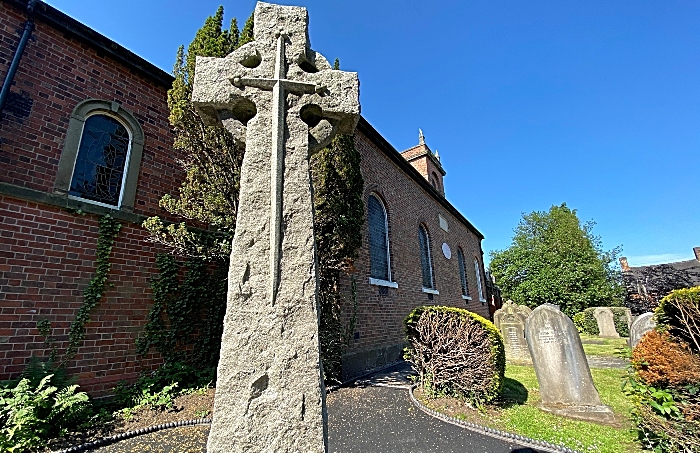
x=285, y=102
x=513, y=331
x=566, y=384
x=606, y=322
x=510, y=307
x=643, y=324
x=510, y=320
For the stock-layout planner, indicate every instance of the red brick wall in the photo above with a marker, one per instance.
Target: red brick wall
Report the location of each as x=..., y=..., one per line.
x=380, y=316
x=55, y=73
x=47, y=254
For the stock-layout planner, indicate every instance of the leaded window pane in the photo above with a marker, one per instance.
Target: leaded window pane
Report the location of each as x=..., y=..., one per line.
x=462, y=273
x=99, y=166
x=425, y=257
x=378, y=240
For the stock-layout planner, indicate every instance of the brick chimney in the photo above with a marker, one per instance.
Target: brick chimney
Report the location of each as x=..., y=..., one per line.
x=426, y=162
x=697, y=253
x=623, y=263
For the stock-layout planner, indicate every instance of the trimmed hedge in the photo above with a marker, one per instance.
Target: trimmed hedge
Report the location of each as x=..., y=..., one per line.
x=456, y=353
x=679, y=314
x=621, y=326
x=585, y=322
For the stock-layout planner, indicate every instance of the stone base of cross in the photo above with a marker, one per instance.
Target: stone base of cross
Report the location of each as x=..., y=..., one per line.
x=284, y=100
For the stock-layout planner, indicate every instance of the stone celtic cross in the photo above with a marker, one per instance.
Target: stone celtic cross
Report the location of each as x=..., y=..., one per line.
x=284, y=102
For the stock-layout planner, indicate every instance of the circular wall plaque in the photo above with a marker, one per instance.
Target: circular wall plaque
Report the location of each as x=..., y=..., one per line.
x=446, y=250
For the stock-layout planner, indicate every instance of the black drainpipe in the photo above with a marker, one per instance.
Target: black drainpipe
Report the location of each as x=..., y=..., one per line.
x=28, y=29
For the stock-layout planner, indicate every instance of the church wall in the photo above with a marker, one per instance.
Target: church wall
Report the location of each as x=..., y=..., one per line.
x=47, y=252
x=47, y=249
x=379, y=332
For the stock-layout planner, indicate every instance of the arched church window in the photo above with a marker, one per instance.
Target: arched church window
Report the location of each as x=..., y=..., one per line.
x=101, y=155
x=425, y=258
x=378, y=240
x=478, y=281
x=463, y=274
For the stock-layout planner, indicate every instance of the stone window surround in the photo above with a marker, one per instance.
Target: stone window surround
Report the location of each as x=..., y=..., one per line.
x=74, y=134
x=377, y=281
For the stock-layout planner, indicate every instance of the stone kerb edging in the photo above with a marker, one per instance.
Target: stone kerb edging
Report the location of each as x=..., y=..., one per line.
x=498, y=434
x=138, y=432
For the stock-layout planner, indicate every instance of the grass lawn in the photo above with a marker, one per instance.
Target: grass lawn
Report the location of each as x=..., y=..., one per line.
x=607, y=347
x=517, y=413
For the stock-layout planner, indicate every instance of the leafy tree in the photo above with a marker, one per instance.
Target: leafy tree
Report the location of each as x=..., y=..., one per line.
x=209, y=198
x=554, y=258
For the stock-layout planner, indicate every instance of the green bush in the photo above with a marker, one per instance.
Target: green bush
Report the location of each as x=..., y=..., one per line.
x=679, y=314
x=29, y=415
x=456, y=353
x=620, y=317
x=585, y=322
x=157, y=389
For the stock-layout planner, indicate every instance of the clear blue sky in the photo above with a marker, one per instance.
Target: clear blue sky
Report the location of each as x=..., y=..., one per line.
x=530, y=103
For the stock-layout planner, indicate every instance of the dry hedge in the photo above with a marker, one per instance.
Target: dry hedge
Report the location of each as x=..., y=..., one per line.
x=455, y=353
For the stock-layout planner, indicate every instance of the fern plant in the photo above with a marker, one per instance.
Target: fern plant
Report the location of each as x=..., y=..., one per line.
x=30, y=415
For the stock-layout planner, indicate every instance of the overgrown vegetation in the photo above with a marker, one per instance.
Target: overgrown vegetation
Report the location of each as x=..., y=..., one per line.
x=32, y=414
x=665, y=385
x=185, y=322
x=209, y=197
x=456, y=353
x=554, y=258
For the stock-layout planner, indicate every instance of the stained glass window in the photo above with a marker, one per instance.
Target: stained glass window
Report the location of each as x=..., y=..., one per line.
x=426, y=265
x=378, y=239
x=98, y=174
x=478, y=281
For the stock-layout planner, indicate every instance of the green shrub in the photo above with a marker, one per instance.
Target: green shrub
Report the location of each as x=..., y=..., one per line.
x=157, y=389
x=620, y=317
x=679, y=314
x=29, y=415
x=585, y=322
x=456, y=353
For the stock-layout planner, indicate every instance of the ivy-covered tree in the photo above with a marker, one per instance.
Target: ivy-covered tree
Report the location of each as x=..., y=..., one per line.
x=554, y=258
x=208, y=198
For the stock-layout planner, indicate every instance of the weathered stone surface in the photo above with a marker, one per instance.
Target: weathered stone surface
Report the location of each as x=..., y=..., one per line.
x=511, y=307
x=606, y=322
x=510, y=320
x=513, y=331
x=643, y=324
x=566, y=384
x=284, y=100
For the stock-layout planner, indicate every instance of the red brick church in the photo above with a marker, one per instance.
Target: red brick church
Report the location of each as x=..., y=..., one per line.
x=69, y=91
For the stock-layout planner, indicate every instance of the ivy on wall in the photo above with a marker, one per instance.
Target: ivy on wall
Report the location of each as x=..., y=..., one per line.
x=185, y=323
x=109, y=229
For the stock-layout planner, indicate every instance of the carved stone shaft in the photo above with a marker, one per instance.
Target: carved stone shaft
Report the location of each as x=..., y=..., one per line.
x=284, y=100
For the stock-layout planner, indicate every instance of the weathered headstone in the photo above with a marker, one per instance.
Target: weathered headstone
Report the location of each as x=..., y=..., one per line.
x=284, y=100
x=606, y=322
x=510, y=307
x=510, y=320
x=566, y=384
x=513, y=331
x=643, y=324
